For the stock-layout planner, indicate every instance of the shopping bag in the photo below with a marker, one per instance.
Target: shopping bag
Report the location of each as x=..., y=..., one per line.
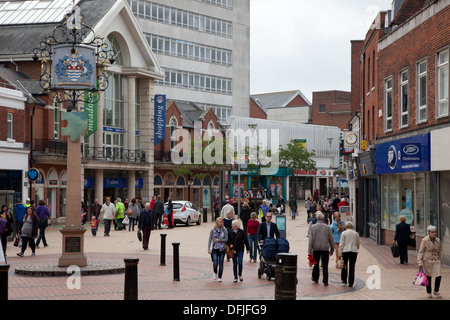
x=421, y=278
x=395, y=251
x=260, y=213
x=311, y=260
x=340, y=264
x=126, y=220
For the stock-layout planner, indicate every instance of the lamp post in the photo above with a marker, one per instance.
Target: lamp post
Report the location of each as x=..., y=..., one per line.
x=73, y=70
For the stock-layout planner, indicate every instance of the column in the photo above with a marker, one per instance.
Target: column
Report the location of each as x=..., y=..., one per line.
x=73, y=232
x=99, y=185
x=131, y=125
x=131, y=184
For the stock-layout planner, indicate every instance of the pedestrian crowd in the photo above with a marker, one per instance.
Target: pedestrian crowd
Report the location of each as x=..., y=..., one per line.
x=327, y=234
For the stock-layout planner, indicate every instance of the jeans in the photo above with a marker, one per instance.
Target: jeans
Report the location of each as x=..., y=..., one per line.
x=41, y=236
x=131, y=224
x=238, y=258
x=348, y=272
x=253, y=243
x=218, y=257
x=325, y=256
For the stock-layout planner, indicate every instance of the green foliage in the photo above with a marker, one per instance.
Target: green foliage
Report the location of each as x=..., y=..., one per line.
x=295, y=157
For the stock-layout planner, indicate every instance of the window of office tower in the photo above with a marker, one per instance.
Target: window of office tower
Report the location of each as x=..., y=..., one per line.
x=181, y=18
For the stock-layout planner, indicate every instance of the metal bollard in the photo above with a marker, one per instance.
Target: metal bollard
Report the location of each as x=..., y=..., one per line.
x=131, y=279
x=163, y=250
x=286, y=277
x=4, y=269
x=205, y=215
x=176, y=261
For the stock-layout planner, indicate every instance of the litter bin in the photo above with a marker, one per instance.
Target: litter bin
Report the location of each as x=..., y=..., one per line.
x=286, y=277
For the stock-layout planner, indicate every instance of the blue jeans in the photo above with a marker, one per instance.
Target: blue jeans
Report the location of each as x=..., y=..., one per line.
x=41, y=236
x=237, y=263
x=218, y=257
x=253, y=243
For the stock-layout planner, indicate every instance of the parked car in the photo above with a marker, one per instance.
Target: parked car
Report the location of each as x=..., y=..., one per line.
x=185, y=212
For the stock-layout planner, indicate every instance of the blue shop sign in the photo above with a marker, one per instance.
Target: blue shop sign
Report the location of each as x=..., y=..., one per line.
x=406, y=155
x=115, y=183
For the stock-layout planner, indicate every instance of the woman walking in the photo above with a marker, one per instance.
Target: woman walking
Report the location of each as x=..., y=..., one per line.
x=237, y=240
x=430, y=259
x=29, y=231
x=252, y=236
x=218, y=238
x=337, y=227
x=135, y=209
x=348, y=250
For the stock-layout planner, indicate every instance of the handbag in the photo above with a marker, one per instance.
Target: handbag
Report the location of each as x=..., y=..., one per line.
x=395, y=251
x=412, y=241
x=421, y=278
x=230, y=252
x=17, y=240
x=139, y=235
x=43, y=222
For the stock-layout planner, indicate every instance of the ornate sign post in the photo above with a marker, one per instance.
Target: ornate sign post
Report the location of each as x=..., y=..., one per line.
x=73, y=67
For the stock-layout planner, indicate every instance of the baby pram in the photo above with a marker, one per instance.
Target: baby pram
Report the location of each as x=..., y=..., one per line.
x=267, y=255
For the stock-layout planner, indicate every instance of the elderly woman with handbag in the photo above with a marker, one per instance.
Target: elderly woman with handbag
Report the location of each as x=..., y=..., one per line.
x=429, y=258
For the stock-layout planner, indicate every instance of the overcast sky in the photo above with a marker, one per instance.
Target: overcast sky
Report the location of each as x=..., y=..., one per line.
x=305, y=44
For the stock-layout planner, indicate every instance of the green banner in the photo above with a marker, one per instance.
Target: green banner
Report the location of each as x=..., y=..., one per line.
x=90, y=107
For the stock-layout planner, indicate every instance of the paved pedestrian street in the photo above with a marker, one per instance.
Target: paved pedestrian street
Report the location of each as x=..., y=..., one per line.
x=378, y=275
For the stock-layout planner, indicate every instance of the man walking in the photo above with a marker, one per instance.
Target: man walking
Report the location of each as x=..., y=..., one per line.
x=43, y=214
x=145, y=225
x=293, y=207
x=108, y=213
x=321, y=245
x=158, y=209
x=227, y=208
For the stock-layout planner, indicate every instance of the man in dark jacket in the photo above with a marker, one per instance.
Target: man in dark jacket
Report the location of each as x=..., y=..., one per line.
x=402, y=234
x=145, y=225
x=158, y=209
x=293, y=207
x=268, y=229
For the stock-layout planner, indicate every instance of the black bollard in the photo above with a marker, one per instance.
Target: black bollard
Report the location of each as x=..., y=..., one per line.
x=4, y=269
x=286, y=277
x=131, y=279
x=205, y=215
x=163, y=250
x=176, y=261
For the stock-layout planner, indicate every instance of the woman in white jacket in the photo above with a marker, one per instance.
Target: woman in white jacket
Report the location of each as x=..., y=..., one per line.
x=348, y=250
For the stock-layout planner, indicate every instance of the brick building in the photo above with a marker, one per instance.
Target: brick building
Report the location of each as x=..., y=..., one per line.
x=331, y=108
x=408, y=125
x=188, y=116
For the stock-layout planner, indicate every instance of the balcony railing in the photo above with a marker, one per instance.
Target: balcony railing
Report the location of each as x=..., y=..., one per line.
x=115, y=154
x=50, y=146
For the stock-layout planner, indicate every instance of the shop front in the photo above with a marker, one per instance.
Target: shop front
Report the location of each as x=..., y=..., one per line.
x=440, y=164
x=407, y=186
